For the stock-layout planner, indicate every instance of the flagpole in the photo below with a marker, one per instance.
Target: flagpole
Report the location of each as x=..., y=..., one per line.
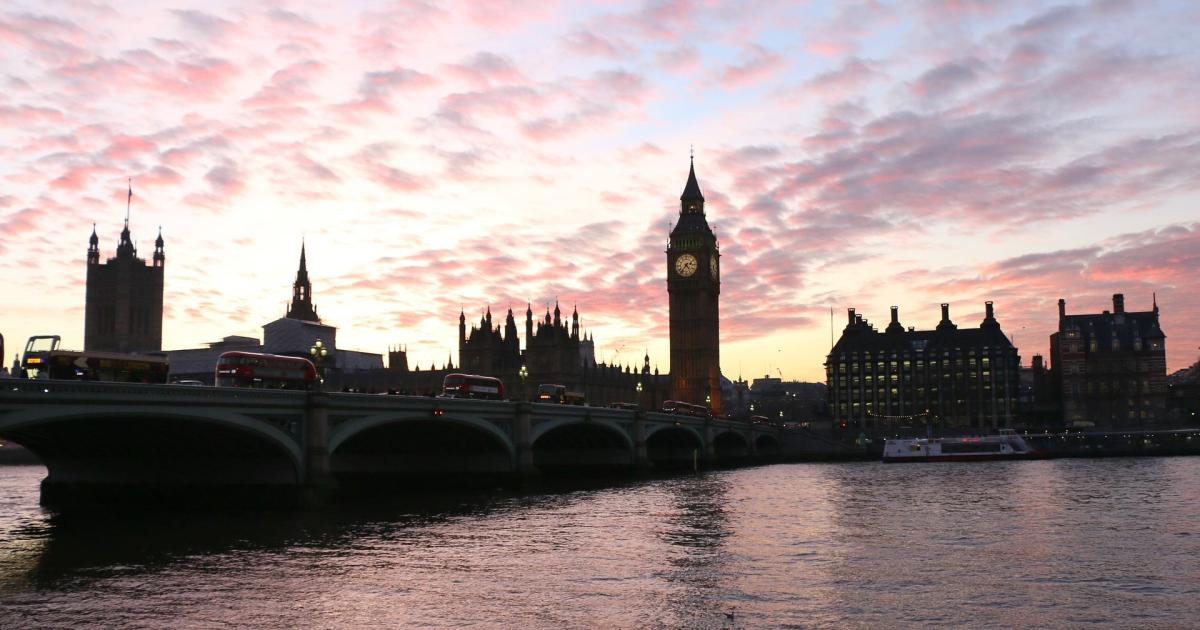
x=128, y=202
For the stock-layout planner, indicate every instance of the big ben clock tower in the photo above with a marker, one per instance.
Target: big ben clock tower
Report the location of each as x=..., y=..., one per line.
x=694, y=285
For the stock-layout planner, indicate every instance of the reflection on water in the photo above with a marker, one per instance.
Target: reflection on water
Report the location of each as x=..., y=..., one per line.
x=1062, y=542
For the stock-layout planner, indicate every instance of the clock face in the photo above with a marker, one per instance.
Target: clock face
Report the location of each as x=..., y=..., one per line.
x=685, y=265
x=712, y=266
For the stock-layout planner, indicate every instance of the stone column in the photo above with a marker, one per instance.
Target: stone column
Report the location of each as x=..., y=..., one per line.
x=641, y=458
x=318, y=478
x=522, y=430
x=710, y=450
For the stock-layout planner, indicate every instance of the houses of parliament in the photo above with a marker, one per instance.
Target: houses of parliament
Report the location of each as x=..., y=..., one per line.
x=124, y=314
x=559, y=351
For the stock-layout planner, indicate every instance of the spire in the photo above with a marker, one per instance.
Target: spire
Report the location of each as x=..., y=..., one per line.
x=125, y=246
x=93, y=253
x=160, y=257
x=692, y=199
x=303, y=271
x=302, y=307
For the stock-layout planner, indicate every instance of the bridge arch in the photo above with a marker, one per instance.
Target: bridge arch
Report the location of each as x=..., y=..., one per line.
x=581, y=444
x=156, y=445
x=674, y=446
x=451, y=448
x=730, y=444
x=767, y=445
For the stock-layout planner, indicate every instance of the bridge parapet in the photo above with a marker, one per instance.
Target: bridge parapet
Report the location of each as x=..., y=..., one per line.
x=134, y=392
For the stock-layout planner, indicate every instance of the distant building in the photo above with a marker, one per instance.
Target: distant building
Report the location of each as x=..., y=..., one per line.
x=555, y=353
x=787, y=401
x=1110, y=367
x=123, y=309
x=199, y=364
x=1183, y=396
x=1038, y=405
x=946, y=377
x=291, y=335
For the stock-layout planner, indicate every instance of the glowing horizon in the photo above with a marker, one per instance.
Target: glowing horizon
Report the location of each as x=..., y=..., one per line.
x=447, y=156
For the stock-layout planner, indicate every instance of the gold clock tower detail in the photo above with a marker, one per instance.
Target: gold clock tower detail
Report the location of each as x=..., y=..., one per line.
x=694, y=285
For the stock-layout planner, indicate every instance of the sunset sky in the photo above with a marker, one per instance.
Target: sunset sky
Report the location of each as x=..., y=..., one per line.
x=442, y=155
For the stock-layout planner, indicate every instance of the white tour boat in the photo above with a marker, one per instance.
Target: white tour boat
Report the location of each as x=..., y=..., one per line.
x=1006, y=445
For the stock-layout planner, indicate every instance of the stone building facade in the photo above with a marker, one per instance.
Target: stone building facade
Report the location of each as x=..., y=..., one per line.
x=1111, y=367
x=123, y=308
x=948, y=378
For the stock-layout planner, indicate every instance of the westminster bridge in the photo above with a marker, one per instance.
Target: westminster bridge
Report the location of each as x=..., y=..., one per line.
x=113, y=439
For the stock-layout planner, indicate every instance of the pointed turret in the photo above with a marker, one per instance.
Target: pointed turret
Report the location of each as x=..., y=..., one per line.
x=125, y=246
x=528, y=324
x=302, y=306
x=692, y=200
x=93, y=254
x=160, y=257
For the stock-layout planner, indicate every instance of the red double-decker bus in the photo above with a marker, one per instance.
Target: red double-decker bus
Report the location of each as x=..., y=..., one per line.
x=267, y=371
x=472, y=386
x=684, y=409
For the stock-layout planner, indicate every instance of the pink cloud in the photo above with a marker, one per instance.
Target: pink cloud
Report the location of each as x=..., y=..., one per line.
x=28, y=115
x=80, y=177
x=485, y=69
x=756, y=63
x=288, y=85
x=377, y=89
x=684, y=58
x=852, y=75
x=946, y=79
x=586, y=42
x=128, y=147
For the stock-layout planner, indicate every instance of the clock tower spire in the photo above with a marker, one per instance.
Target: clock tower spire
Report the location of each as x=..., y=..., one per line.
x=694, y=287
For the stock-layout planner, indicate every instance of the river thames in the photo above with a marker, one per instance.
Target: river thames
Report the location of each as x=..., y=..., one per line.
x=1060, y=543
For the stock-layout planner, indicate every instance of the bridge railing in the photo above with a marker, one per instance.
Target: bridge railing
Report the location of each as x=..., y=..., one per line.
x=174, y=392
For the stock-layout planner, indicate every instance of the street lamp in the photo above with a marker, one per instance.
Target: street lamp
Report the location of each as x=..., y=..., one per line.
x=639, y=393
x=524, y=372
x=318, y=352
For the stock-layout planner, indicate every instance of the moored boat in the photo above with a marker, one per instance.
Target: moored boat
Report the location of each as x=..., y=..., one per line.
x=1006, y=445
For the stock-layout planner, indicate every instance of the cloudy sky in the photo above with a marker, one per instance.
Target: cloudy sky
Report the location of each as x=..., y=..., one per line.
x=439, y=156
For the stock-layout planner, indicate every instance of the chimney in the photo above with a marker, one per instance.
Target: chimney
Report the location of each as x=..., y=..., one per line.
x=1118, y=303
x=896, y=315
x=945, y=312
x=988, y=309
x=850, y=314
x=1062, y=309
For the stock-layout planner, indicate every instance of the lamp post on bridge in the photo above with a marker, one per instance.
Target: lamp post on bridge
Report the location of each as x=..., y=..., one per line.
x=318, y=352
x=639, y=395
x=524, y=372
